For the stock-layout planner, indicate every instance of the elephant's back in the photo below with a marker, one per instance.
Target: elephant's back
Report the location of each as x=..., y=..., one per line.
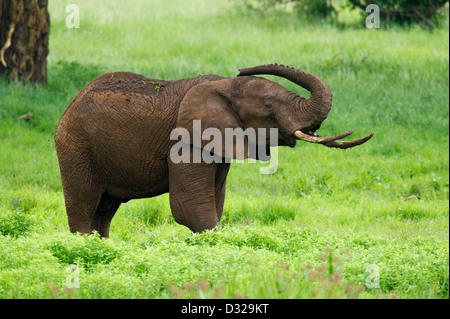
x=126, y=105
x=127, y=83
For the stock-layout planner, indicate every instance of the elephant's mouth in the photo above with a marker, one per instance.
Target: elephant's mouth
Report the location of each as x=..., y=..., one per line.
x=331, y=141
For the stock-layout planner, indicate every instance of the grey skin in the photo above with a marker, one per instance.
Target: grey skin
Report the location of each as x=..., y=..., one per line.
x=113, y=141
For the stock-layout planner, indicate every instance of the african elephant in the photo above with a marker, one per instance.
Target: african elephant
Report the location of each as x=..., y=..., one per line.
x=113, y=141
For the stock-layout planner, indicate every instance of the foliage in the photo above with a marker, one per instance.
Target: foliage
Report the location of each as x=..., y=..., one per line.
x=311, y=230
x=83, y=250
x=307, y=10
x=402, y=12
x=424, y=12
x=14, y=224
x=247, y=261
x=313, y=9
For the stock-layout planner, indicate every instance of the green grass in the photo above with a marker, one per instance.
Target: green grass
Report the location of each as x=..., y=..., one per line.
x=308, y=231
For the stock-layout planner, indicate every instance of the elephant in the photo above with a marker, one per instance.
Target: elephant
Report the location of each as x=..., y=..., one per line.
x=113, y=141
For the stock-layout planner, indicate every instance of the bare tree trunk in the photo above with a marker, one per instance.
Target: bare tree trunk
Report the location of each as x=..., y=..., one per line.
x=24, y=32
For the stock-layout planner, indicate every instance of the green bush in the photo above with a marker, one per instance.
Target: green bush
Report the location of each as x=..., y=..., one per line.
x=86, y=250
x=403, y=12
x=312, y=10
x=15, y=224
x=425, y=12
x=308, y=10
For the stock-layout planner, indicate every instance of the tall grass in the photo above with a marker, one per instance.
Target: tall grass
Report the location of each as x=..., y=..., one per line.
x=384, y=203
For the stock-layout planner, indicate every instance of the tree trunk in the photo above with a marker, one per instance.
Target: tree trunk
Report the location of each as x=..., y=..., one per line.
x=24, y=32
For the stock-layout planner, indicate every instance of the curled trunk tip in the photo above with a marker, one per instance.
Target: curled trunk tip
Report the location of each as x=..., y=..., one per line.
x=321, y=98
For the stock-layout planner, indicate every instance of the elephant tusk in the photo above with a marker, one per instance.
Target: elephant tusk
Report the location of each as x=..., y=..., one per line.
x=344, y=145
x=315, y=138
x=331, y=141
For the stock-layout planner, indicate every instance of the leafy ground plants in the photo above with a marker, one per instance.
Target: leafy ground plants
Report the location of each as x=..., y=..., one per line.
x=371, y=222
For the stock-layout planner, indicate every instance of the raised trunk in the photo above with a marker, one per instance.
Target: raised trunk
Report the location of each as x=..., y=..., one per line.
x=315, y=109
x=24, y=33
x=318, y=105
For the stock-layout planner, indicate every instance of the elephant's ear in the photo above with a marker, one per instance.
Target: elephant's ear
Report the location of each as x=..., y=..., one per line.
x=212, y=124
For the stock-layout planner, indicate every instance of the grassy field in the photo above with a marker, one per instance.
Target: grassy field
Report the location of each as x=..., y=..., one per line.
x=369, y=222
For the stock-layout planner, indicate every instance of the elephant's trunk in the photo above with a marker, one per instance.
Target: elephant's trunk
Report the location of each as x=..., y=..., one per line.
x=318, y=105
x=315, y=108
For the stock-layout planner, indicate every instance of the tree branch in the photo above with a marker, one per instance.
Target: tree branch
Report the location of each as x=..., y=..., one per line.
x=427, y=21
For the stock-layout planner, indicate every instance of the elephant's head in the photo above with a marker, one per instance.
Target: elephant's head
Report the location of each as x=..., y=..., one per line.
x=254, y=102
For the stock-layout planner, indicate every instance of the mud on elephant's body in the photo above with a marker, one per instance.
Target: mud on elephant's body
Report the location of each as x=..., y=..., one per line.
x=113, y=141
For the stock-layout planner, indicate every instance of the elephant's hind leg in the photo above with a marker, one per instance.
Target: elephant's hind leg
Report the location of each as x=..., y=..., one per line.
x=105, y=212
x=82, y=194
x=81, y=204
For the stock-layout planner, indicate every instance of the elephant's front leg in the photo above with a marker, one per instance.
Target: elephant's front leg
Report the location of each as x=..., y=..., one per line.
x=194, y=197
x=221, y=180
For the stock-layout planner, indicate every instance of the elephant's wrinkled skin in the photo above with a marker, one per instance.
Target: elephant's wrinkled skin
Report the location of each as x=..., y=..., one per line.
x=113, y=140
